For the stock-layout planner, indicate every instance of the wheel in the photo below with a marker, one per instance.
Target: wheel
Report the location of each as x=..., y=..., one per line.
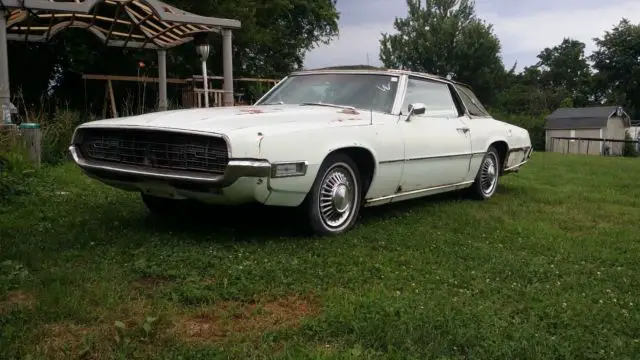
x=335, y=198
x=162, y=206
x=486, y=181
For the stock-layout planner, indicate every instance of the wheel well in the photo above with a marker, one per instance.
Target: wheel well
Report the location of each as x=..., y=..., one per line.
x=364, y=160
x=502, y=149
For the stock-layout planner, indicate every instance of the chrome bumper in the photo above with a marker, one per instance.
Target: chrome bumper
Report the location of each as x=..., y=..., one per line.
x=236, y=169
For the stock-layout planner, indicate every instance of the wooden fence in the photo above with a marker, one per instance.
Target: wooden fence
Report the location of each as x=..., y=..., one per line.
x=590, y=146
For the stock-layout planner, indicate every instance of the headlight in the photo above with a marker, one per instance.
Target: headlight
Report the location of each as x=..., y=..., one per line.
x=288, y=169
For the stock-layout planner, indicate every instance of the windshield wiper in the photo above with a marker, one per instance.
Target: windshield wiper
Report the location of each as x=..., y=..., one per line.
x=329, y=105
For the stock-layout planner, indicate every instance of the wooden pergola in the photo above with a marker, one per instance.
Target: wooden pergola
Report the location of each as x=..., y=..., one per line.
x=141, y=24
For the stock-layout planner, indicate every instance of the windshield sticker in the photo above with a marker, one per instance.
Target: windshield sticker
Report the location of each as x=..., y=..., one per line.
x=384, y=87
x=394, y=79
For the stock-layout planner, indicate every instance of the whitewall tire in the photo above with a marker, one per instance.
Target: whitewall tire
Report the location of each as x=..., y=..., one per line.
x=335, y=198
x=487, y=179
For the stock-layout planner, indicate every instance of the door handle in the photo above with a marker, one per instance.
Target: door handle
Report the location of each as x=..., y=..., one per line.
x=463, y=129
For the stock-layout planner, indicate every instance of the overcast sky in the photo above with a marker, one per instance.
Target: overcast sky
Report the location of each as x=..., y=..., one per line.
x=524, y=27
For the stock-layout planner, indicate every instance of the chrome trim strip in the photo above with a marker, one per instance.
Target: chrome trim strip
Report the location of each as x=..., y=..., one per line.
x=515, y=166
x=236, y=168
x=433, y=157
x=415, y=192
x=390, y=161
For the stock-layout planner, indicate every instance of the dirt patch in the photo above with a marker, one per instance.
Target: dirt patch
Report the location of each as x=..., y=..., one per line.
x=16, y=300
x=96, y=340
x=230, y=319
x=60, y=340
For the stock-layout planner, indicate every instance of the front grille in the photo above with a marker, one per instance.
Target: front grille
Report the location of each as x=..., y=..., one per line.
x=153, y=149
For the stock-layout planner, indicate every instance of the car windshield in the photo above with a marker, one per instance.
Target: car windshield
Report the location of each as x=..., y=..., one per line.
x=375, y=92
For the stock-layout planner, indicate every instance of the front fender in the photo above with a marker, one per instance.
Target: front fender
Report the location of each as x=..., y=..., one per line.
x=310, y=148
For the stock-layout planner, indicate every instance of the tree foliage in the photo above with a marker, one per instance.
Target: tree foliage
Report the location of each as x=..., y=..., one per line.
x=564, y=70
x=446, y=38
x=617, y=61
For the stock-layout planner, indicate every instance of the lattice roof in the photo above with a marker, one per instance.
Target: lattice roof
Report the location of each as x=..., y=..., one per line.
x=125, y=23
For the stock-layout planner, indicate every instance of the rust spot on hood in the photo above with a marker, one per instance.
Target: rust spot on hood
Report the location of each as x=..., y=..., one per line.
x=349, y=112
x=250, y=111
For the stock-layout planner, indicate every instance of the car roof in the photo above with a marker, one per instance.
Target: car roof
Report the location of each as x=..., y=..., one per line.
x=363, y=69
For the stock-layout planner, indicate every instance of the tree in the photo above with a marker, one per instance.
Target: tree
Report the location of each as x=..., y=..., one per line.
x=444, y=37
x=565, y=72
x=617, y=61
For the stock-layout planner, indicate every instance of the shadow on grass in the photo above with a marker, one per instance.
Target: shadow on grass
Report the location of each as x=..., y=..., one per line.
x=258, y=222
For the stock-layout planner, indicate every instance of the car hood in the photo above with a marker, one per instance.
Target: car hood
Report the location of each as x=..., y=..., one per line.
x=230, y=120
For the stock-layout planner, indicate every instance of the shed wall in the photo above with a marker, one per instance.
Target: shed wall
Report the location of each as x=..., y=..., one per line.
x=616, y=129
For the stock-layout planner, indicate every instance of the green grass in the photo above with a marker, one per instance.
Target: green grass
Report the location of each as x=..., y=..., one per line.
x=547, y=269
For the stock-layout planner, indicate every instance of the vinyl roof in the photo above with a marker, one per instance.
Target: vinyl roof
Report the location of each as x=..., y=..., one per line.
x=595, y=117
x=125, y=23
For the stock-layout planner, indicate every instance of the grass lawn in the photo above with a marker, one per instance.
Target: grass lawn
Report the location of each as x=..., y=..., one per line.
x=548, y=269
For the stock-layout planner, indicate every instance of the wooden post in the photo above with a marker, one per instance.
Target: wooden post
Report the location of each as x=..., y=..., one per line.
x=114, y=110
x=32, y=139
x=105, y=105
x=579, y=141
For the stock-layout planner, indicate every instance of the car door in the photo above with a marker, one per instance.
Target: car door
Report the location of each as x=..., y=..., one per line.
x=438, y=142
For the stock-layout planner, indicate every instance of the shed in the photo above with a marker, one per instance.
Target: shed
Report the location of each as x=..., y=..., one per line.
x=587, y=130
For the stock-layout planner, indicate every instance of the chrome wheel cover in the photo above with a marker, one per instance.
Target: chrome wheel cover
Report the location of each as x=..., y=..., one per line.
x=338, y=196
x=489, y=174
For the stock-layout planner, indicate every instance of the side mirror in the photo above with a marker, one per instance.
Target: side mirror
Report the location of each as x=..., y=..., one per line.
x=416, y=109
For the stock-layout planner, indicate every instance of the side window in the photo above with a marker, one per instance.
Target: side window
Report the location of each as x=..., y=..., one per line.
x=471, y=101
x=436, y=97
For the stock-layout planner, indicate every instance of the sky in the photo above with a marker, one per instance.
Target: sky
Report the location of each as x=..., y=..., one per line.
x=524, y=27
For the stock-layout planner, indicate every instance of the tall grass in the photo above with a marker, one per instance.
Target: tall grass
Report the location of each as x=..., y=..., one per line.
x=57, y=124
x=15, y=166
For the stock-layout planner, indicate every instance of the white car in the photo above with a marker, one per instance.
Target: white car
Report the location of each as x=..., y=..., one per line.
x=327, y=141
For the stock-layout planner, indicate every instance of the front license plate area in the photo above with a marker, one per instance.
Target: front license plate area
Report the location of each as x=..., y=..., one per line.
x=159, y=190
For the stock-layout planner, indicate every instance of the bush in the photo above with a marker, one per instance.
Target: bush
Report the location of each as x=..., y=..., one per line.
x=56, y=135
x=534, y=124
x=629, y=149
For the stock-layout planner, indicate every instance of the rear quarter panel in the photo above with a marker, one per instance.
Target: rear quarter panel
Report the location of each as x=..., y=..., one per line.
x=486, y=131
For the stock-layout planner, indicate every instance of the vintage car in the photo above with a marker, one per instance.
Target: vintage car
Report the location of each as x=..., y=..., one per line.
x=326, y=141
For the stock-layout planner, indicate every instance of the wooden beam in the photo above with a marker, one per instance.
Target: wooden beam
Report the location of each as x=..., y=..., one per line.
x=115, y=20
x=129, y=78
x=170, y=80
x=199, y=77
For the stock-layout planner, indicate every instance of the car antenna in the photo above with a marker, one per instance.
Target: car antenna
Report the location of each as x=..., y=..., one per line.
x=370, y=115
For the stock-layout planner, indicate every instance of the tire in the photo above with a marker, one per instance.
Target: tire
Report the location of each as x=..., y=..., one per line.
x=340, y=178
x=487, y=179
x=163, y=207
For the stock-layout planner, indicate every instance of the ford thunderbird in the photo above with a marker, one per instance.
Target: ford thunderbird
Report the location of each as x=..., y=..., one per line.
x=326, y=141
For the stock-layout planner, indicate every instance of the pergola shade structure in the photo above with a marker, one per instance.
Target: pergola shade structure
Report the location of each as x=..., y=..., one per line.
x=149, y=24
